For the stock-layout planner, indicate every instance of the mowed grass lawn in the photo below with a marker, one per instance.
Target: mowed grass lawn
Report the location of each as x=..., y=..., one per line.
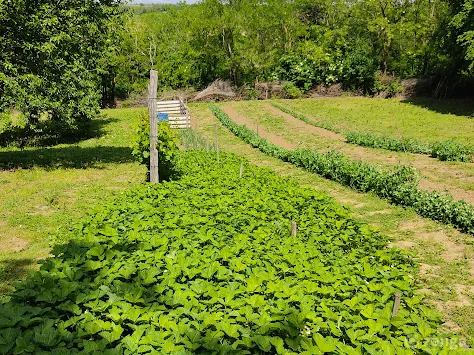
x=45, y=191
x=425, y=119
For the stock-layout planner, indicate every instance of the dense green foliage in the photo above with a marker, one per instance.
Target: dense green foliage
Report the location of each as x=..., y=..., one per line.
x=54, y=57
x=167, y=146
x=206, y=265
x=444, y=151
x=398, y=186
x=365, y=45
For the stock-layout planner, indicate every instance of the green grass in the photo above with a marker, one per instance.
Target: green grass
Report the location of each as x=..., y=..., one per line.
x=426, y=120
x=262, y=118
x=44, y=191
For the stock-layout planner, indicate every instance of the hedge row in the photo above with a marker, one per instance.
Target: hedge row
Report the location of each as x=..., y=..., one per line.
x=398, y=186
x=444, y=151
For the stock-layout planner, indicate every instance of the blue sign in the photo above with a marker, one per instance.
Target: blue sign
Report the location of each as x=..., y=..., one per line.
x=162, y=116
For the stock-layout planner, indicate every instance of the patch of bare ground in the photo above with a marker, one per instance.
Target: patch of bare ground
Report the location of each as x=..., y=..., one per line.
x=371, y=213
x=427, y=268
x=402, y=244
x=42, y=210
x=453, y=250
x=436, y=175
x=14, y=244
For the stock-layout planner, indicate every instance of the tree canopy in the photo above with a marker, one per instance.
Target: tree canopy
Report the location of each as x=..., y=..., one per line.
x=307, y=42
x=53, y=56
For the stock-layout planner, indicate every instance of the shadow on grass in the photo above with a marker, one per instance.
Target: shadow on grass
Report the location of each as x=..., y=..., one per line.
x=50, y=133
x=12, y=270
x=64, y=157
x=458, y=107
x=69, y=307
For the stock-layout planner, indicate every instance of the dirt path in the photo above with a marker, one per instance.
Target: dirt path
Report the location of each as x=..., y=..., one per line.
x=436, y=175
x=242, y=120
x=300, y=124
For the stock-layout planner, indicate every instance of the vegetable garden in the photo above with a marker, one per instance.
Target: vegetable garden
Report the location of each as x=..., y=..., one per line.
x=398, y=186
x=206, y=264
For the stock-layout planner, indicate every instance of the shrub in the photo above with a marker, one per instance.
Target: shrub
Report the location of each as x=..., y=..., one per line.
x=298, y=70
x=167, y=147
x=250, y=94
x=290, y=91
x=359, y=69
x=452, y=151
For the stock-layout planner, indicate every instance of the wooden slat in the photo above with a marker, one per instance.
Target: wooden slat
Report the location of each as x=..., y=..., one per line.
x=171, y=111
x=168, y=106
x=178, y=119
x=176, y=109
x=168, y=102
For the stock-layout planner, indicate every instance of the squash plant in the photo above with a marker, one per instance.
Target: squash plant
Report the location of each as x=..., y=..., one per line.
x=207, y=265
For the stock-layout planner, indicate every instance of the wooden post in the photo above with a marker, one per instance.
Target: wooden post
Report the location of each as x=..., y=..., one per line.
x=217, y=143
x=241, y=169
x=293, y=229
x=152, y=87
x=396, y=304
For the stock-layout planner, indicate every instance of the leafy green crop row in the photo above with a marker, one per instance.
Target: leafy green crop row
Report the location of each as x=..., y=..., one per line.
x=206, y=265
x=398, y=186
x=444, y=151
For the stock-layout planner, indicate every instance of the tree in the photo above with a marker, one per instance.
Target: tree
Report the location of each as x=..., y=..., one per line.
x=51, y=56
x=463, y=22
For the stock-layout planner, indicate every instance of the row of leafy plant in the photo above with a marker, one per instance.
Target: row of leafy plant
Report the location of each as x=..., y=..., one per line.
x=444, y=151
x=398, y=186
x=206, y=265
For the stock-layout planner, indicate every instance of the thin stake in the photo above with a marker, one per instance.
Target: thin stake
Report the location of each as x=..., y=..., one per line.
x=152, y=88
x=241, y=169
x=293, y=229
x=217, y=143
x=396, y=304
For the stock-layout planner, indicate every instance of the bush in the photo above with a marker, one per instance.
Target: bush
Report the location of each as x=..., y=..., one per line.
x=452, y=151
x=250, y=94
x=290, y=91
x=167, y=147
x=297, y=70
x=359, y=69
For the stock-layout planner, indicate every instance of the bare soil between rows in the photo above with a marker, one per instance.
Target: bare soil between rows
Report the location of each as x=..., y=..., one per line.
x=432, y=170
